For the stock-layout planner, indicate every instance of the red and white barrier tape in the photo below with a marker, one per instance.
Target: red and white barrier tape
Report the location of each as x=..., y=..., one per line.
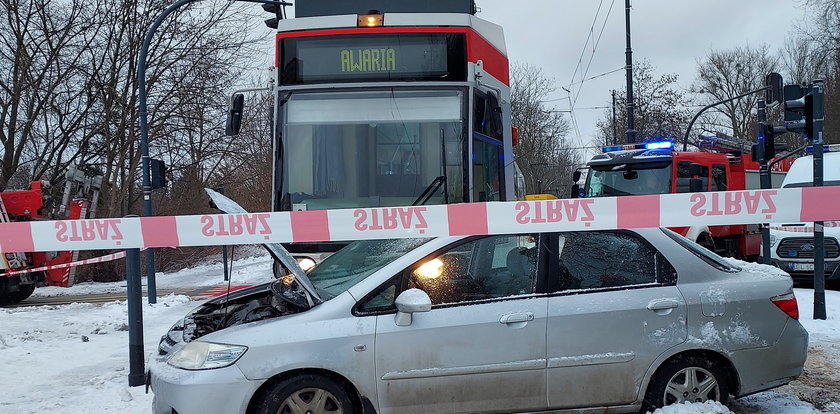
x=100, y=259
x=607, y=213
x=804, y=229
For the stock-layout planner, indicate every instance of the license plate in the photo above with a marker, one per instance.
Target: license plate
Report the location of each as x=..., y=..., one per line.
x=805, y=267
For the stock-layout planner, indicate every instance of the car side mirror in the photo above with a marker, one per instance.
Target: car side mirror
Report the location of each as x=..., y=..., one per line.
x=576, y=176
x=409, y=302
x=234, y=118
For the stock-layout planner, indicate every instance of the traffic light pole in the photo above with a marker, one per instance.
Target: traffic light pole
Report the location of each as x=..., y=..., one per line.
x=764, y=174
x=819, y=235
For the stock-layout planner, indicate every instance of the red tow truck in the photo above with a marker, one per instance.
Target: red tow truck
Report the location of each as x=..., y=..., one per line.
x=35, y=203
x=658, y=168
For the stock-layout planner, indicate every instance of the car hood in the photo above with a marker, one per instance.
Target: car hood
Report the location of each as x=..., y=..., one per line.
x=275, y=249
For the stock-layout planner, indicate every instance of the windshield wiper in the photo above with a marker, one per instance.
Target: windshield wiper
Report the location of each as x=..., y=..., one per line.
x=431, y=190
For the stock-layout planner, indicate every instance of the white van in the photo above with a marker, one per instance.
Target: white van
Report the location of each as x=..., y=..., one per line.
x=792, y=244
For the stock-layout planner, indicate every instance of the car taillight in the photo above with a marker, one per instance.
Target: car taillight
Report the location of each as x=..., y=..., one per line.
x=787, y=303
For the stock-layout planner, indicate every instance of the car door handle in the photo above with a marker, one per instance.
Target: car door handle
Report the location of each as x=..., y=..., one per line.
x=662, y=305
x=517, y=317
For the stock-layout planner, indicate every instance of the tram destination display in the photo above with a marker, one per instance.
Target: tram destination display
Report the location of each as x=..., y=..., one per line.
x=382, y=57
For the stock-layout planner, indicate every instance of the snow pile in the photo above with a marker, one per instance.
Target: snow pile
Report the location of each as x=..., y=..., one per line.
x=820, y=330
x=758, y=268
x=74, y=358
x=246, y=271
x=773, y=402
x=708, y=407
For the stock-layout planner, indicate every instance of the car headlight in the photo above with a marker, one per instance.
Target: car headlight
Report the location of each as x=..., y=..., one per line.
x=206, y=355
x=773, y=240
x=306, y=263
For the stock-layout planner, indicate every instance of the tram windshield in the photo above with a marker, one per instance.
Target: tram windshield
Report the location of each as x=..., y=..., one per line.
x=372, y=148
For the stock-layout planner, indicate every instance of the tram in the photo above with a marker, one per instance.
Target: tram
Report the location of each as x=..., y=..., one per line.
x=389, y=103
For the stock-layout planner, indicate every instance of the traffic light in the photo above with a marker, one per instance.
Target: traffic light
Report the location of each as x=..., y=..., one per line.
x=275, y=9
x=158, y=172
x=799, y=109
x=774, y=83
x=771, y=147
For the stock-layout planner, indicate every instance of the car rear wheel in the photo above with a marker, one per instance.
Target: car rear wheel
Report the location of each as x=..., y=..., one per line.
x=688, y=379
x=306, y=394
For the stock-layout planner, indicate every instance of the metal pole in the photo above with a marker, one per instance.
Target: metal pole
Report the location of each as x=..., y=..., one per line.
x=764, y=174
x=225, y=263
x=134, y=296
x=144, y=137
x=144, y=126
x=615, y=133
x=631, y=126
x=697, y=115
x=819, y=235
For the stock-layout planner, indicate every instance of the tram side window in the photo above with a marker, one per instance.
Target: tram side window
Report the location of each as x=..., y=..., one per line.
x=684, y=175
x=487, y=116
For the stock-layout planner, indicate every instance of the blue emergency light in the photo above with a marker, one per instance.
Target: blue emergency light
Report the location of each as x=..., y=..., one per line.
x=659, y=145
x=647, y=145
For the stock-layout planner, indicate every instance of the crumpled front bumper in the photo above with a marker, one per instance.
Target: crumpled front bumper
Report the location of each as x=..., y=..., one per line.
x=221, y=390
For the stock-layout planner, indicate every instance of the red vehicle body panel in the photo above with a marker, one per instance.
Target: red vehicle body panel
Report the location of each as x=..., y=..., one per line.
x=27, y=205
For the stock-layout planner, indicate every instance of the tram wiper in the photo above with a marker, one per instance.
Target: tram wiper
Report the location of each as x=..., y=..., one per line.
x=430, y=190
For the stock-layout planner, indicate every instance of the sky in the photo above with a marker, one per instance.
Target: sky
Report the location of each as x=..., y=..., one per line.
x=671, y=34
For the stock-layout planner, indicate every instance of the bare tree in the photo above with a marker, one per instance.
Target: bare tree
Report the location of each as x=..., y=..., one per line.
x=43, y=105
x=543, y=153
x=821, y=31
x=724, y=74
x=661, y=108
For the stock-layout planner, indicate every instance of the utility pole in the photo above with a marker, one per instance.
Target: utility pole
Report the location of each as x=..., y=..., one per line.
x=764, y=174
x=615, y=133
x=818, y=112
x=631, y=127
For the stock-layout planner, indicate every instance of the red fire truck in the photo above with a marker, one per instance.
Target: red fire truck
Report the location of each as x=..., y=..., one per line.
x=36, y=203
x=657, y=168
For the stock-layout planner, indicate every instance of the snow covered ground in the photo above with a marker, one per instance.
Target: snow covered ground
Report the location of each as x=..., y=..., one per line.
x=74, y=358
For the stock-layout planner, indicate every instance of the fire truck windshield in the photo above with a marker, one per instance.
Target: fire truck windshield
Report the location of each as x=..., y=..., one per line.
x=372, y=148
x=628, y=182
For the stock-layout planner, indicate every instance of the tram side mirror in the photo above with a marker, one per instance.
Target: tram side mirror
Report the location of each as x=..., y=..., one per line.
x=576, y=176
x=234, y=118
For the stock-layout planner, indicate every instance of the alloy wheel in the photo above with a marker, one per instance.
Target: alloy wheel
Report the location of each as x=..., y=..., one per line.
x=691, y=384
x=311, y=401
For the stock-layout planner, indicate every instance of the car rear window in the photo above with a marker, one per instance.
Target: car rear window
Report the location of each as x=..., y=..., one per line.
x=702, y=252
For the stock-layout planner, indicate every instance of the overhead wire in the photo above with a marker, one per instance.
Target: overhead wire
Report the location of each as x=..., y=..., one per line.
x=594, y=49
x=584, y=80
x=578, y=138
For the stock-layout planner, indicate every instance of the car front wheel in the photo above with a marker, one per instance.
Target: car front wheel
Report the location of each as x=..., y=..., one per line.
x=689, y=379
x=306, y=394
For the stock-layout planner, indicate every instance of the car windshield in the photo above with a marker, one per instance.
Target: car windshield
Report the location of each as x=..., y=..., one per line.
x=357, y=261
x=702, y=252
x=628, y=182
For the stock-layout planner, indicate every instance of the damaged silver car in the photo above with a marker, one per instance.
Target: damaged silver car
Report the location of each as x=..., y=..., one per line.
x=616, y=321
